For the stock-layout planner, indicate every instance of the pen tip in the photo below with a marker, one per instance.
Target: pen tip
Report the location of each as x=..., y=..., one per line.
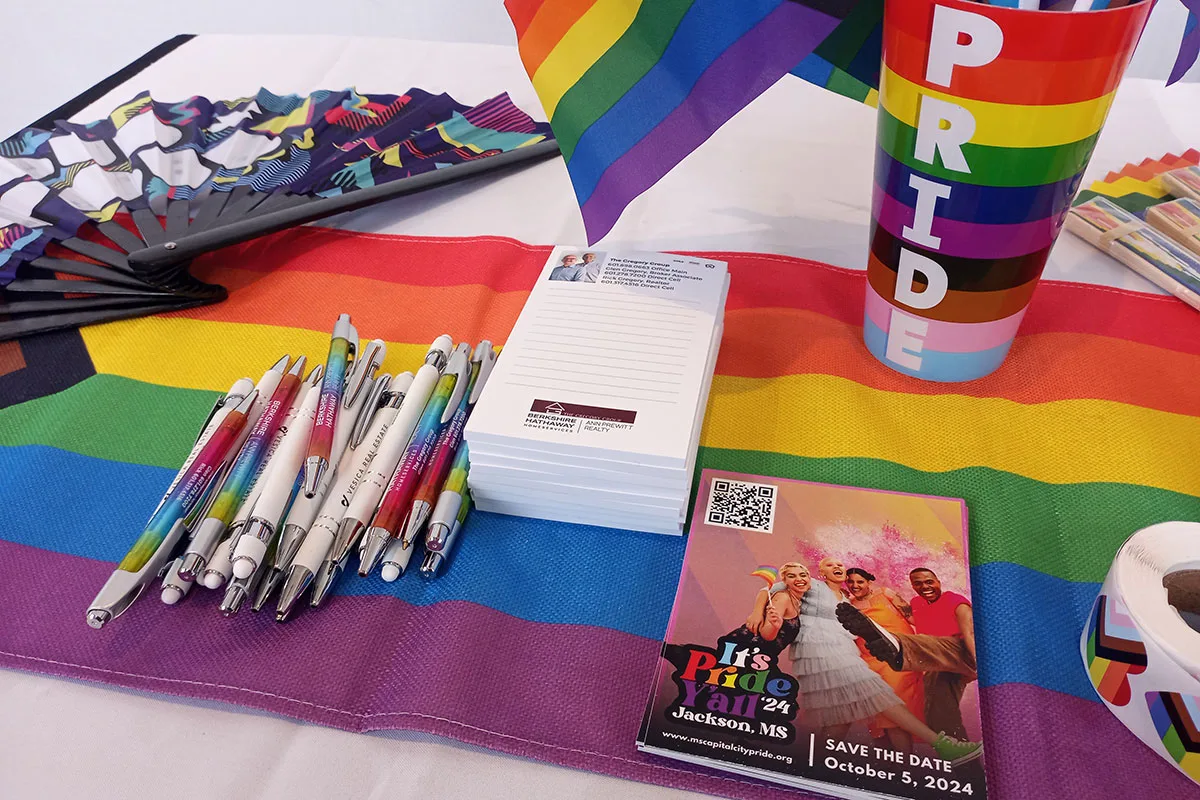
x=97, y=618
x=314, y=376
x=298, y=368
x=281, y=364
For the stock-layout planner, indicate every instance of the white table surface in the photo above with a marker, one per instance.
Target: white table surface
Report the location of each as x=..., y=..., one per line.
x=62, y=738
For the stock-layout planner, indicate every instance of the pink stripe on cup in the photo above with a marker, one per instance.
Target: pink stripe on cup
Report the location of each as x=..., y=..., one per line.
x=948, y=337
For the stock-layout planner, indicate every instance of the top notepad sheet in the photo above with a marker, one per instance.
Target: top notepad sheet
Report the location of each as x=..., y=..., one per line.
x=608, y=358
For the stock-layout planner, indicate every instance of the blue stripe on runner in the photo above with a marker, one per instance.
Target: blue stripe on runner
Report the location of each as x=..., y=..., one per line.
x=708, y=29
x=532, y=569
x=1031, y=623
x=541, y=571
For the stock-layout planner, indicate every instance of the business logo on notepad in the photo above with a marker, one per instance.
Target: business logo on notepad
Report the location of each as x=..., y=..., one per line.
x=551, y=415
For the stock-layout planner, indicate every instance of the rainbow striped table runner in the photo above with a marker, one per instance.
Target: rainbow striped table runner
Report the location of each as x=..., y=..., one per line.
x=541, y=638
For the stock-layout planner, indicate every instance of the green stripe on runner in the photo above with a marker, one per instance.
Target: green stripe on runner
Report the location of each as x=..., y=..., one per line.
x=617, y=71
x=1071, y=531
x=114, y=418
x=990, y=166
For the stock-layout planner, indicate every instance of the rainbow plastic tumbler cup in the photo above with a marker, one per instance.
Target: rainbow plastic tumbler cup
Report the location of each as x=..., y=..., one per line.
x=987, y=118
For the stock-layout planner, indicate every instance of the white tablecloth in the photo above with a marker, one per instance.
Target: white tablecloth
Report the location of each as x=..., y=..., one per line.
x=803, y=192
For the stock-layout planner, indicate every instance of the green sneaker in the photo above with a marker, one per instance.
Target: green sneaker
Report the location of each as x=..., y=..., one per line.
x=956, y=752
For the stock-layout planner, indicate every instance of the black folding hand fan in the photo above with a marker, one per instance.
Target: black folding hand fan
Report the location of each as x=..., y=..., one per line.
x=80, y=204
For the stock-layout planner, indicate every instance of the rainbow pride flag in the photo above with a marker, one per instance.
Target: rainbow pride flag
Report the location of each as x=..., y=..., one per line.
x=632, y=86
x=541, y=638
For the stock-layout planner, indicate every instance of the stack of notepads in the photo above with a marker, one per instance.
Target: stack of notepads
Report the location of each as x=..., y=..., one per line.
x=593, y=412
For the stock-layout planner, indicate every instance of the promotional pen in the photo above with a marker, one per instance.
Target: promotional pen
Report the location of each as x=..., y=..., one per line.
x=448, y=440
x=338, y=554
x=366, y=497
x=173, y=588
x=152, y=549
x=449, y=502
x=367, y=396
x=241, y=589
x=315, y=550
x=388, y=521
x=433, y=561
x=241, y=475
x=341, y=350
x=311, y=386
x=292, y=535
x=251, y=544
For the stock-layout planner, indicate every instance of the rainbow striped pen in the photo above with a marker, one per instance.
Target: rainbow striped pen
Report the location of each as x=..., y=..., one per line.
x=151, y=550
x=241, y=475
x=449, y=502
x=426, y=495
x=320, y=445
x=389, y=519
x=433, y=561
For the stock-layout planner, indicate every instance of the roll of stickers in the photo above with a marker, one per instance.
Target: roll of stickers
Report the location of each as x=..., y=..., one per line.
x=1141, y=645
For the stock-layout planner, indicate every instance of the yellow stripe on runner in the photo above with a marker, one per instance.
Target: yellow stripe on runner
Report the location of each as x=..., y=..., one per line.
x=201, y=354
x=1001, y=124
x=588, y=39
x=1063, y=441
x=820, y=416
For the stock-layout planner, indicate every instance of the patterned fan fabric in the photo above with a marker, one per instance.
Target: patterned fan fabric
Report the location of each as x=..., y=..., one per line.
x=147, y=152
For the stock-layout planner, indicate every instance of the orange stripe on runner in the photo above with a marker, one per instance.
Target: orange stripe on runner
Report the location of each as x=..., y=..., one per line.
x=390, y=311
x=766, y=343
x=758, y=342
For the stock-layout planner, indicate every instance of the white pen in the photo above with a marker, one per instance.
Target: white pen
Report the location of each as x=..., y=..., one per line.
x=314, y=550
x=366, y=497
x=362, y=392
x=219, y=567
x=278, y=484
x=346, y=538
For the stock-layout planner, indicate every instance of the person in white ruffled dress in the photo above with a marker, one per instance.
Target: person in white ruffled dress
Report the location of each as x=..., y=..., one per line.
x=836, y=687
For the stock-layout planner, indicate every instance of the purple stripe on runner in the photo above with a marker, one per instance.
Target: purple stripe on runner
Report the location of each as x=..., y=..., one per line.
x=947, y=337
x=1039, y=743
x=568, y=694
x=968, y=239
x=749, y=67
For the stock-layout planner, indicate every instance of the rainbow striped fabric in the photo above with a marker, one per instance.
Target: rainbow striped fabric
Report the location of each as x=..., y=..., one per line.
x=541, y=638
x=979, y=154
x=632, y=86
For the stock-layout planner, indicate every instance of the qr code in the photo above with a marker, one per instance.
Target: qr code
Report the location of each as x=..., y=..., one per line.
x=741, y=505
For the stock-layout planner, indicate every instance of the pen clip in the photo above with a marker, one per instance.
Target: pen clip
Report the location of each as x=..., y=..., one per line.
x=363, y=370
x=460, y=385
x=486, y=355
x=373, y=403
